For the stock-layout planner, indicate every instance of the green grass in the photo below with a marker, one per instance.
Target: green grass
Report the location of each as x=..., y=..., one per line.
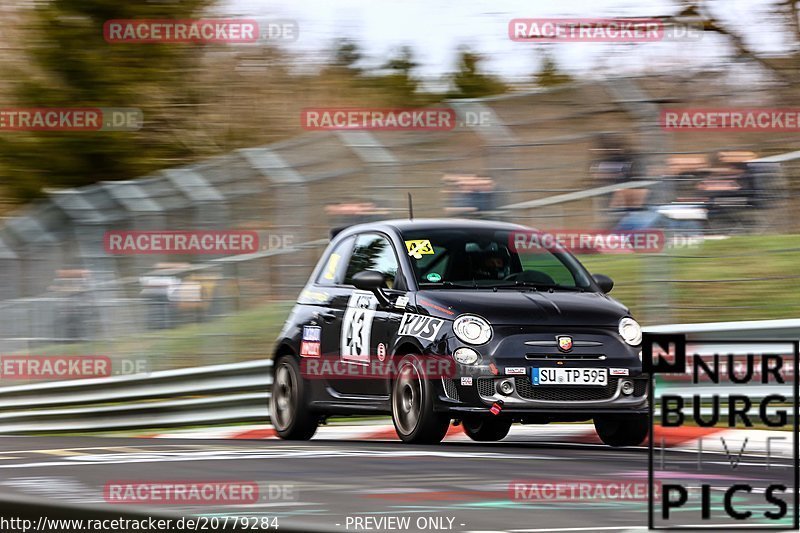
x=248, y=335
x=710, y=299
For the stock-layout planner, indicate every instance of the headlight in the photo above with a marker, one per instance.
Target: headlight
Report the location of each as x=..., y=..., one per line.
x=466, y=356
x=631, y=331
x=472, y=329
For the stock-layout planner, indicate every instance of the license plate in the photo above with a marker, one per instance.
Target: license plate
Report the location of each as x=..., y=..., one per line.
x=569, y=376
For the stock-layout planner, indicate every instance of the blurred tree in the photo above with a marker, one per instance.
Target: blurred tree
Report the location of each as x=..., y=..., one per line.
x=341, y=74
x=785, y=13
x=549, y=75
x=257, y=99
x=469, y=82
x=399, y=82
x=346, y=54
x=403, y=62
x=67, y=63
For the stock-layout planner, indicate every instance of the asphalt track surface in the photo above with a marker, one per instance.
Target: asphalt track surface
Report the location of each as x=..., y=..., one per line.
x=464, y=484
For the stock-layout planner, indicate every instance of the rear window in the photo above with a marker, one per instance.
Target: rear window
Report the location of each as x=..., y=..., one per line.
x=332, y=272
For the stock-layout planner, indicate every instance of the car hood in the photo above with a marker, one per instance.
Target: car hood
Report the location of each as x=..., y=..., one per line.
x=515, y=307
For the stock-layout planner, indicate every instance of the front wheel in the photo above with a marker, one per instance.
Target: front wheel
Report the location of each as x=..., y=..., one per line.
x=412, y=405
x=622, y=430
x=289, y=410
x=487, y=429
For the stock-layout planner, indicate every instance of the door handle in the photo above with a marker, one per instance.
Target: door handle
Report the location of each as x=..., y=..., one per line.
x=327, y=317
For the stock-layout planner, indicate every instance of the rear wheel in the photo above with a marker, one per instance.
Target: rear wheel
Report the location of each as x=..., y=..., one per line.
x=487, y=429
x=289, y=410
x=412, y=405
x=622, y=430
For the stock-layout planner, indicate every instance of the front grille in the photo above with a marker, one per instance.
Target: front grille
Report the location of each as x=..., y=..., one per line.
x=639, y=387
x=486, y=386
x=450, y=388
x=565, y=394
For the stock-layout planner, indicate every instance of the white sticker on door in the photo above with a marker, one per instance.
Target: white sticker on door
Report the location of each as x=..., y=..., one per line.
x=357, y=327
x=420, y=326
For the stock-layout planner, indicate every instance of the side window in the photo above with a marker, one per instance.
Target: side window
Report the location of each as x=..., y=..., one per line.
x=373, y=252
x=333, y=270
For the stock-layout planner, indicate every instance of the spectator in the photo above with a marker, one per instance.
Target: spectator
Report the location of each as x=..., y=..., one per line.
x=614, y=163
x=469, y=195
x=348, y=214
x=74, y=319
x=157, y=289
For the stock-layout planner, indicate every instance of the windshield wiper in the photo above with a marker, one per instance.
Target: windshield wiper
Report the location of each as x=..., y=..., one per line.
x=537, y=286
x=450, y=284
x=516, y=284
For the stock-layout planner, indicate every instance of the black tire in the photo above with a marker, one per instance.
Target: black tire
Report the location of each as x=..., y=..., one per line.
x=288, y=408
x=412, y=405
x=622, y=430
x=486, y=429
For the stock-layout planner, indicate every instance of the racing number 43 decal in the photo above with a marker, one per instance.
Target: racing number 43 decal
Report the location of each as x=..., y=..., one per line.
x=418, y=248
x=420, y=326
x=357, y=327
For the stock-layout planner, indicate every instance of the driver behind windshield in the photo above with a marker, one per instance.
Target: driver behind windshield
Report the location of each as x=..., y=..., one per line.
x=482, y=257
x=492, y=265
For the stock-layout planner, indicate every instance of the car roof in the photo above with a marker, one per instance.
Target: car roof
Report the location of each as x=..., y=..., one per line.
x=422, y=224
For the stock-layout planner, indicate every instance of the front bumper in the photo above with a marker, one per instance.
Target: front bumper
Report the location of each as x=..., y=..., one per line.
x=514, y=351
x=553, y=415
x=482, y=394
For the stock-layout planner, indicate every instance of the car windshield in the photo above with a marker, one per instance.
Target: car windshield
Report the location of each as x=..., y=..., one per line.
x=467, y=257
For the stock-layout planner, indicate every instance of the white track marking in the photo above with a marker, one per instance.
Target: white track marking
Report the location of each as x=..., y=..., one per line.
x=270, y=453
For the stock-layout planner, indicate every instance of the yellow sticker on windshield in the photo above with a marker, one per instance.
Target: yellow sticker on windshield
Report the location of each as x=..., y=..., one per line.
x=417, y=249
x=330, y=270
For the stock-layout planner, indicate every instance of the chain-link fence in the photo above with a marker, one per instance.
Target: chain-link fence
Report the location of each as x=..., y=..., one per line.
x=535, y=158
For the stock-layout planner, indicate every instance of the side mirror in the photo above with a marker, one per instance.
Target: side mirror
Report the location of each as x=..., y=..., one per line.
x=604, y=282
x=373, y=281
x=368, y=280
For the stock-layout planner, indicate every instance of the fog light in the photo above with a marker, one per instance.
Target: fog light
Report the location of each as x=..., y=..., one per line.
x=505, y=387
x=627, y=387
x=466, y=356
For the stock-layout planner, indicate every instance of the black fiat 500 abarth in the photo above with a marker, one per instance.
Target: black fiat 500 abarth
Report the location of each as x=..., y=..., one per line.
x=439, y=320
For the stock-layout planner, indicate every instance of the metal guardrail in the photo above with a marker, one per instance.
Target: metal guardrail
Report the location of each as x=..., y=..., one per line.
x=227, y=393
x=237, y=392
x=756, y=330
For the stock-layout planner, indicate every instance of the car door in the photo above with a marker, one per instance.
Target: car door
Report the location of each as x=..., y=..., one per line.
x=368, y=328
x=328, y=296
